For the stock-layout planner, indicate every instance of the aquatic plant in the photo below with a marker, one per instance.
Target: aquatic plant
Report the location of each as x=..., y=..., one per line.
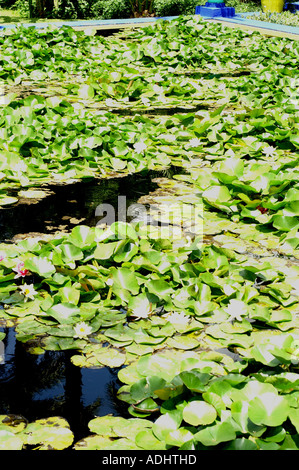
x=287, y=18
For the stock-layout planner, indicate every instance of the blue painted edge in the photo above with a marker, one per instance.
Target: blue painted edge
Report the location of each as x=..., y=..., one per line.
x=88, y=22
x=237, y=19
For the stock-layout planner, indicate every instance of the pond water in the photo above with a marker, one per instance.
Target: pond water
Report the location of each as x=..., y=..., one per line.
x=40, y=386
x=69, y=204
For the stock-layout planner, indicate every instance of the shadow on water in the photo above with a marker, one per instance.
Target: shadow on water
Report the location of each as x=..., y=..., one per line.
x=71, y=204
x=41, y=386
x=45, y=385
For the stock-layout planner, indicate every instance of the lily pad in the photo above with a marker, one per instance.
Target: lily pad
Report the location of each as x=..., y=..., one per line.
x=198, y=412
x=50, y=433
x=9, y=441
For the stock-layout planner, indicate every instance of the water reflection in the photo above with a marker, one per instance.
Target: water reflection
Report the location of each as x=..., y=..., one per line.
x=68, y=205
x=40, y=386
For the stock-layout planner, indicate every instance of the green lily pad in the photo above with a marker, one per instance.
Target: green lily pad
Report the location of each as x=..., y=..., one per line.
x=198, y=412
x=14, y=423
x=146, y=440
x=215, y=434
x=9, y=441
x=183, y=342
x=166, y=423
x=93, y=443
x=268, y=409
x=7, y=200
x=49, y=433
x=40, y=265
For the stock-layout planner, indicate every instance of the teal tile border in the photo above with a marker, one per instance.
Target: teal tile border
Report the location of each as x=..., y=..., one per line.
x=240, y=18
x=88, y=22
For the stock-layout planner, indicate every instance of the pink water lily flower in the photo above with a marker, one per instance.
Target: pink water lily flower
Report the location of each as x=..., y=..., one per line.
x=20, y=270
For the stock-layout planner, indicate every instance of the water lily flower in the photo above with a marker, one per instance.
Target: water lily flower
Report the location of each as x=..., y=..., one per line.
x=157, y=77
x=236, y=310
x=157, y=89
x=82, y=330
x=140, y=146
x=20, y=167
x=109, y=102
x=145, y=100
x=195, y=142
x=2, y=255
x=20, y=270
x=269, y=151
x=28, y=291
x=177, y=318
x=143, y=309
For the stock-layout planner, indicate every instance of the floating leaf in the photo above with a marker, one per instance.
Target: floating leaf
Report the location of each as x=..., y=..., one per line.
x=146, y=440
x=50, y=433
x=198, y=412
x=64, y=312
x=93, y=443
x=40, y=265
x=215, y=434
x=269, y=409
x=9, y=441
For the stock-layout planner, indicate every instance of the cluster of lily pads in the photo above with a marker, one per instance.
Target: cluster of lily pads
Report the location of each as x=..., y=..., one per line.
x=199, y=317
x=289, y=18
x=117, y=296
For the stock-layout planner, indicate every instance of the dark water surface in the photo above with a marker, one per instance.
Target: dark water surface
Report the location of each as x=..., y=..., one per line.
x=40, y=386
x=68, y=205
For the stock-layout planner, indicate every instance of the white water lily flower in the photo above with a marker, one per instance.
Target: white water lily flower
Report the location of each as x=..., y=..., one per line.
x=269, y=151
x=195, y=142
x=168, y=137
x=145, y=100
x=162, y=98
x=177, y=318
x=157, y=77
x=20, y=167
x=236, y=309
x=82, y=330
x=109, y=102
x=140, y=146
x=157, y=89
x=28, y=291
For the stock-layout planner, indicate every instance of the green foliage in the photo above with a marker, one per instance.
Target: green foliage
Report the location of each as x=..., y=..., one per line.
x=245, y=5
x=174, y=7
x=23, y=8
x=107, y=9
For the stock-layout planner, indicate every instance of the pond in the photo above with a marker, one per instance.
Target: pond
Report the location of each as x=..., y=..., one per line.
x=192, y=322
